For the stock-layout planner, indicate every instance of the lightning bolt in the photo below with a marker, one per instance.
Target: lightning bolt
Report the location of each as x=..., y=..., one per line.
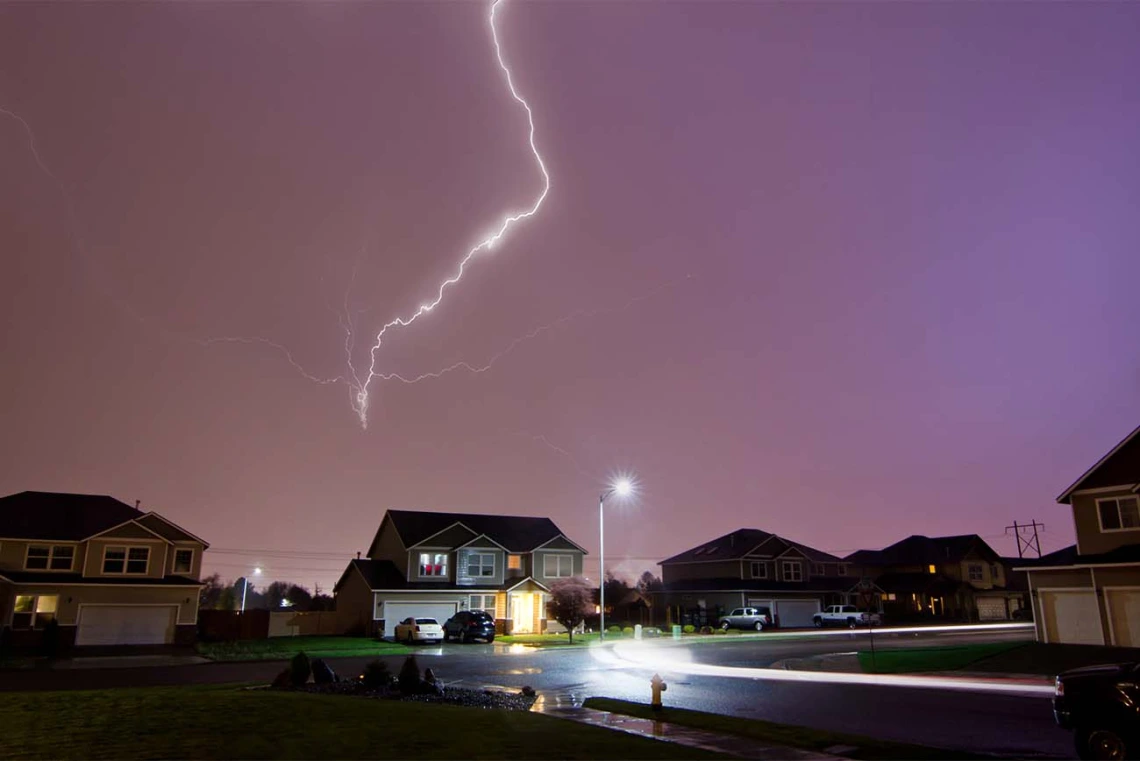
x=362, y=397
x=31, y=144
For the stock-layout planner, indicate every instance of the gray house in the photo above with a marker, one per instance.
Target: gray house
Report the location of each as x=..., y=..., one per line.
x=433, y=564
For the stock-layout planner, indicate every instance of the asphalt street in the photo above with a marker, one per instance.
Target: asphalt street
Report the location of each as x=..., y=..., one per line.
x=968, y=721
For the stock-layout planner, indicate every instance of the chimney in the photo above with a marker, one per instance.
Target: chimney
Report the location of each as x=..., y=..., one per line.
x=358, y=554
x=137, y=503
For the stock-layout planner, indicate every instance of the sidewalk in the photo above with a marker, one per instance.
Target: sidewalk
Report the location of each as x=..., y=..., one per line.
x=567, y=707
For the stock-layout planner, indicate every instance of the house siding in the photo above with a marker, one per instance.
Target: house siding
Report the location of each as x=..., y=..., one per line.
x=353, y=603
x=156, y=563
x=1086, y=520
x=725, y=569
x=450, y=537
x=195, y=563
x=388, y=545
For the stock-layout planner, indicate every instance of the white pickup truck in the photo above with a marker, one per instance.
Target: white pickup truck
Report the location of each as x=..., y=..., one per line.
x=845, y=615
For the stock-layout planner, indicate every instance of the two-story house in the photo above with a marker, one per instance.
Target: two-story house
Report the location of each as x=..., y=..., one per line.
x=105, y=572
x=1090, y=593
x=753, y=568
x=433, y=564
x=955, y=577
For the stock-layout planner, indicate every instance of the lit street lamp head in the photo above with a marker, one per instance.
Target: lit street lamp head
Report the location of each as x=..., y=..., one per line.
x=623, y=487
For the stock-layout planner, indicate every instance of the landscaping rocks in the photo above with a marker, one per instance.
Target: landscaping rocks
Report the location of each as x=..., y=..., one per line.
x=510, y=701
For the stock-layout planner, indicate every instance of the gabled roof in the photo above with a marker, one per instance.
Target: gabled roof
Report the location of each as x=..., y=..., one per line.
x=1119, y=466
x=1068, y=557
x=819, y=584
x=61, y=517
x=515, y=533
x=925, y=550
x=739, y=544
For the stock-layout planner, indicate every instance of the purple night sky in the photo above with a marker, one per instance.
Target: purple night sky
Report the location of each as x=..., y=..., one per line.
x=840, y=271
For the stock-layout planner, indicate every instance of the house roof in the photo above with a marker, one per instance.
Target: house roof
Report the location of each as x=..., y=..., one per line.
x=925, y=550
x=738, y=544
x=930, y=583
x=835, y=584
x=1119, y=466
x=63, y=517
x=515, y=533
x=1068, y=557
x=68, y=579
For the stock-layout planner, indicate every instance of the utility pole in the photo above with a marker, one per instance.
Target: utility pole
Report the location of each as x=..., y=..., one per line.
x=1025, y=541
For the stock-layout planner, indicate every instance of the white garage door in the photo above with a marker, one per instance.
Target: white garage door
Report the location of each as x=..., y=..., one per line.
x=991, y=609
x=126, y=624
x=796, y=612
x=1071, y=616
x=395, y=612
x=1124, y=611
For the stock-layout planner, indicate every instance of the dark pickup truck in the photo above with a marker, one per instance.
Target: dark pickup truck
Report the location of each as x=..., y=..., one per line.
x=1101, y=704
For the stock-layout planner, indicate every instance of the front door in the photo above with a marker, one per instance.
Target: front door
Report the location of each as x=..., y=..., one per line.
x=522, y=613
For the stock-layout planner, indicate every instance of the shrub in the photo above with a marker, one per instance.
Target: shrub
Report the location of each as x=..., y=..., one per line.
x=688, y=628
x=300, y=669
x=283, y=681
x=409, y=677
x=627, y=631
x=376, y=675
x=706, y=630
x=720, y=631
x=615, y=629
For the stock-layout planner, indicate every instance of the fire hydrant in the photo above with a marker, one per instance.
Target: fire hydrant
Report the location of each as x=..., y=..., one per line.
x=658, y=685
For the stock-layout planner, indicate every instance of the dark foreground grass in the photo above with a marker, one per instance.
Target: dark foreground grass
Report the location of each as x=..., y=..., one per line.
x=1051, y=659
x=284, y=648
x=783, y=734
x=919, y=659
x=227, y=722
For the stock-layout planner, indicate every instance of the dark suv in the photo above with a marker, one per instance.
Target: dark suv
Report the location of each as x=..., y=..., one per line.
x=469, y=625
x=1101, y=704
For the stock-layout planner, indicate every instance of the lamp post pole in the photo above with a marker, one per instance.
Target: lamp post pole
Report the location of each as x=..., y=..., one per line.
x=245, y=587
x=622, y=488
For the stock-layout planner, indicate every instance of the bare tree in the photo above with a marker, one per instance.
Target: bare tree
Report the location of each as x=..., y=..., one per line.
x=571, y=600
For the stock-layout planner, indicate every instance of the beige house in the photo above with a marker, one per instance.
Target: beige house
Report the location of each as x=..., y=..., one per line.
x=957, y=578
x=1090, y=593
x=105, y=572
x=434, y=564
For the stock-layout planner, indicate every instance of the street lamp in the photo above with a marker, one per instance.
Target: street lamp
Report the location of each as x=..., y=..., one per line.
x=623, y=487
x=245, y=587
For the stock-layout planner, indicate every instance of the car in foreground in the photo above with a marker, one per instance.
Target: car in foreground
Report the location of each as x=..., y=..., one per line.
x=470, y=625
x=757, y=619
x=1101, y=705
x=413, y=629
x=845, y=615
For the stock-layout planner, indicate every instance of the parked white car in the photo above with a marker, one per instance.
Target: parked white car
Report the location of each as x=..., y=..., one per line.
x=845, y=615
x=413, y=629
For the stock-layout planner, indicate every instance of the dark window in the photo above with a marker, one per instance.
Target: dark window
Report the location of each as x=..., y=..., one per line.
x=37, y=558
x=183, y=560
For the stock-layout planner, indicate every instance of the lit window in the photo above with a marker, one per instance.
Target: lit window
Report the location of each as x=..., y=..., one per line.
x=481, y=564
x=932, y=569
x=1119, y=514
x=433, y=564
x=183, y=561
x=514, y=562
x=34, y=611
x=558, y=566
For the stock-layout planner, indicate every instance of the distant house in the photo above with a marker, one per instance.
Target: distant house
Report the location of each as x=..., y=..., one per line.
x=752, y=568
x=1090, y=593
x=105, y=572
x=433, y=564
x=953, y=577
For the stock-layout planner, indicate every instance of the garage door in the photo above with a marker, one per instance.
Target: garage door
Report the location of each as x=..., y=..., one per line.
x=395, y=612
x=796, y=612
x=1124, y=611
x=991, y=609
x=1071, y=616
x=126, y=624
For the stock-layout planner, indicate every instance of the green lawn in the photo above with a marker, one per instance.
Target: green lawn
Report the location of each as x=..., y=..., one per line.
x=917, y=659
x=283, y=648
x=227, y=722
x=1051, y=659
x=782, y=734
